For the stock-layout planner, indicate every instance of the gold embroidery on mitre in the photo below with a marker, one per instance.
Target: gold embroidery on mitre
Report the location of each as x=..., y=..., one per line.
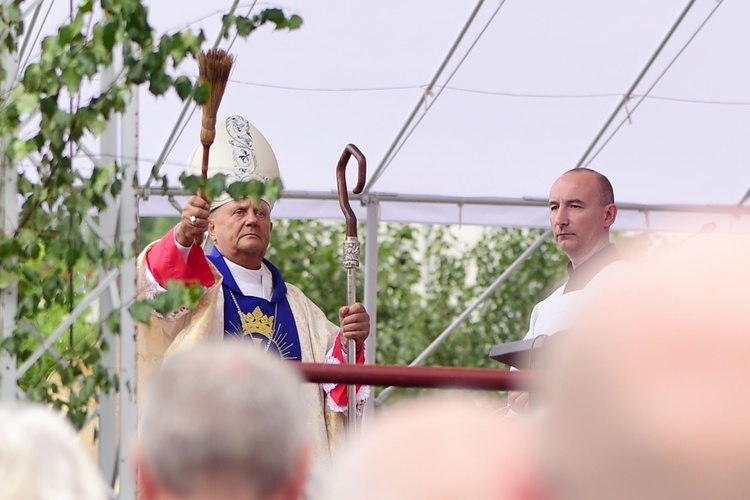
x=257, y=322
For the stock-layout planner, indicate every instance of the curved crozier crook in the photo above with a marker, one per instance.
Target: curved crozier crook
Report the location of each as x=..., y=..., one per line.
x=351, y=219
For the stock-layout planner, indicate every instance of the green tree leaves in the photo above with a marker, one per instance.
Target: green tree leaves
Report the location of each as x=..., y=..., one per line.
x=178, y=295
x=246, y=25
x=427, y=276
x=60, y=100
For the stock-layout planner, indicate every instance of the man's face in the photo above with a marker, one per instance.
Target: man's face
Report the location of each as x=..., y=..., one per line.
x=241, y=231
x=579, y=219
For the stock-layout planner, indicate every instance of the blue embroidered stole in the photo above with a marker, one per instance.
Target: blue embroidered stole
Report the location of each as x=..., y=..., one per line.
x=268, y=324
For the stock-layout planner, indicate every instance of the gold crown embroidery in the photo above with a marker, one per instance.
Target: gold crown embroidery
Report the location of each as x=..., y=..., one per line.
x=257, y=322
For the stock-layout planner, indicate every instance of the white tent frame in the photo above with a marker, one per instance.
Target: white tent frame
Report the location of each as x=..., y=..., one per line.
x=119, y=143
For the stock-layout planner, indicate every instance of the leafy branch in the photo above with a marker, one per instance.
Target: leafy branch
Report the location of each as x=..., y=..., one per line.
x=56, y=106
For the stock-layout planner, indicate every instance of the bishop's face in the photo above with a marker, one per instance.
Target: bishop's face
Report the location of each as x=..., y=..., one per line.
x=242, y=231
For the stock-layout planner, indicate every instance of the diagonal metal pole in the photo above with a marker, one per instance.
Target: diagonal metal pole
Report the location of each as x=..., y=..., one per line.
x=431, y=348
x=487, y=293
x=63, y=327
x=626, y=97
x=422, y=100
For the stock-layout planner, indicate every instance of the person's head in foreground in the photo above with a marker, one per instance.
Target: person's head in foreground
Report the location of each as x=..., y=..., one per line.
x=650, y=396
x=41, y=459
x=223, y=421
x=439, y=447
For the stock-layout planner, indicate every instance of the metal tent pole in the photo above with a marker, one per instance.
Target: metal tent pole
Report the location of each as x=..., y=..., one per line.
x=119, y=224
x=8, y=225
x=9, y=294
x=108, y=302
x=127, y=234
x=371, y=289
x=422, y=100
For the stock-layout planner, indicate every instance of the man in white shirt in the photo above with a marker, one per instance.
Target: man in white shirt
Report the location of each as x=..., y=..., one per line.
x=582, y=210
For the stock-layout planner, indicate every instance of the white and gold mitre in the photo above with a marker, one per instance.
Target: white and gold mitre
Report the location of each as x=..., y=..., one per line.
x=241, y=153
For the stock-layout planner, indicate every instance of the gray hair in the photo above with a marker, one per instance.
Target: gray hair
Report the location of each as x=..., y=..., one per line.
x=223, y=410
x=41, y=459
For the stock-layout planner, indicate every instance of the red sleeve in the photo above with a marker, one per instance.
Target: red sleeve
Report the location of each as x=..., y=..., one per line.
x=165, y=262
x=338, y=393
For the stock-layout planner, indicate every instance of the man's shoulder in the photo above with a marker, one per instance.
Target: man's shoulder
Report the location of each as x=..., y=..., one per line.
x=295, y=295
x=554, y=295
x=293, y=289
x=613, y=271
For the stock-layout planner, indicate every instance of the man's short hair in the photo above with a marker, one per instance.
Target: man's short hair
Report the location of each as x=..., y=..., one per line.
x=605, y=187
x=223, y=410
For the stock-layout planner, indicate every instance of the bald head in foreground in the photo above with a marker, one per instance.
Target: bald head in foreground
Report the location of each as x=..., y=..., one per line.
x=439, y=448
x=650, y=397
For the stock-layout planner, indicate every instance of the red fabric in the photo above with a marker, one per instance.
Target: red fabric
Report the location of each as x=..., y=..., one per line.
x=338, y=393
x=166, y=263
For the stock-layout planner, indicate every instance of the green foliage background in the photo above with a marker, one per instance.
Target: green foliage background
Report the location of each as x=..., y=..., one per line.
x=49, y=108
x=427, y=276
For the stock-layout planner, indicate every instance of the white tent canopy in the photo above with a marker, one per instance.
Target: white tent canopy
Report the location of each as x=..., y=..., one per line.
x=467, y=113
x=653, y=94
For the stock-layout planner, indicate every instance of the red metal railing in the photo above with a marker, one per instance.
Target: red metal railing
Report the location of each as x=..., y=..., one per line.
x=418, y=376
